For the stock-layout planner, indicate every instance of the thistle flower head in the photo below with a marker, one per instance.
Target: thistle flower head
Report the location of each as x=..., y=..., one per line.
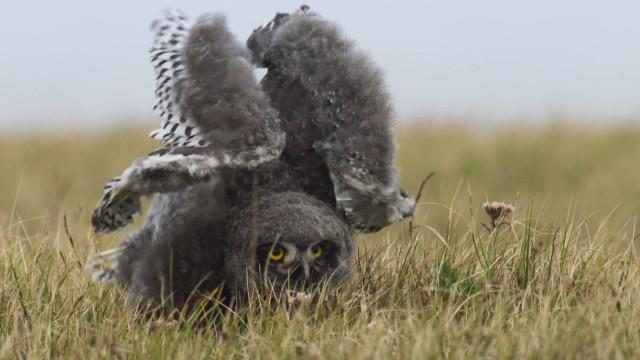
x=497, y=210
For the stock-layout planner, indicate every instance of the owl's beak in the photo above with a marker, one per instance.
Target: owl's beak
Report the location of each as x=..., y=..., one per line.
x=297, y=267
x=305, y=268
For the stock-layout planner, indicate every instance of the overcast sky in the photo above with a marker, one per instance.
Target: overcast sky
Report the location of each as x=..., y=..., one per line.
x=87, y=61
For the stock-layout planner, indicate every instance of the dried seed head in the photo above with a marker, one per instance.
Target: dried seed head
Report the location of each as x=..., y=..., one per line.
x=497, y=210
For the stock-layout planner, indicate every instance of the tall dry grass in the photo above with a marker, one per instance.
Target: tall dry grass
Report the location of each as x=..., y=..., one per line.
x=558, y=279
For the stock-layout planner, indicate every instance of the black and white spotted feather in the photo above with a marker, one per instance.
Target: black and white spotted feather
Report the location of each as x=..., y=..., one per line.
x=176, y=129
x=213, y=112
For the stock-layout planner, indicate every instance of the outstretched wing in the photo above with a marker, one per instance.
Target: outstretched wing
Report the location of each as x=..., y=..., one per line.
x=213, y=113
x=339, y=93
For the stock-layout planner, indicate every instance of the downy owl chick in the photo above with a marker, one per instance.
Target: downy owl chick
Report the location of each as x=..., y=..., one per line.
x=268, y=180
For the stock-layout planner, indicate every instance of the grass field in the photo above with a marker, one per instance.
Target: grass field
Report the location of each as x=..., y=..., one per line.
x=560, y=279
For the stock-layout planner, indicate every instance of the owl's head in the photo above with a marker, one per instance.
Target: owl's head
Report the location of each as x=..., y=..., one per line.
x=288, y=240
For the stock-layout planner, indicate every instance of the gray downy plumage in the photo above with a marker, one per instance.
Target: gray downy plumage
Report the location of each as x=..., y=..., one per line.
x=185, y=246
x=204, y=238
x=238, y=179
x=333, y=98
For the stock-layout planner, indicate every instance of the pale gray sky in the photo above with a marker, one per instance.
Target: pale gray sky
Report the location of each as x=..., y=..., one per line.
x=87, y=61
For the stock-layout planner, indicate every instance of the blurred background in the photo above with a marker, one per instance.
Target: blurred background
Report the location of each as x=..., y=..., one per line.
x=533, y=102
x=85, y=64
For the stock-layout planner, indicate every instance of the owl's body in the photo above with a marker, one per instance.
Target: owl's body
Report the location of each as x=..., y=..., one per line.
x=268, y=180
x=198, y=240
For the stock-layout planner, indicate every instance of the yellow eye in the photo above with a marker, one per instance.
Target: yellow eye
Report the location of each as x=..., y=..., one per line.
x=277, y=253
x=316, y=251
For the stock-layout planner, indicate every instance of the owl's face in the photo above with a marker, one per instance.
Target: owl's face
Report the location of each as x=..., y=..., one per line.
x=298, y=264
x=298, y=242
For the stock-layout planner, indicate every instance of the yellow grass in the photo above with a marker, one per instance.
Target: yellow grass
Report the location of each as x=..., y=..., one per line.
x=560, y=280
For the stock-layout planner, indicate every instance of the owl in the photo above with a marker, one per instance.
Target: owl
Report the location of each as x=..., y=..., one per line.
x=264, y=183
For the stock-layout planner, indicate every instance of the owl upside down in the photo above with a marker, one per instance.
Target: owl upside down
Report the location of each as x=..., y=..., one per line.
x=266, y=180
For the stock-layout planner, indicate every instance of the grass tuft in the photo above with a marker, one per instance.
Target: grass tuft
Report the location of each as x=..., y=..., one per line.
x=556, y=278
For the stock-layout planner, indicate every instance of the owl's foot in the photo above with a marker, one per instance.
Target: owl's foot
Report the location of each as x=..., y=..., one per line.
x=370, y=212
x=102, y=265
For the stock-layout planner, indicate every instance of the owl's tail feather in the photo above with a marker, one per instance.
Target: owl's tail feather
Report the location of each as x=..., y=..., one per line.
x=102, y=266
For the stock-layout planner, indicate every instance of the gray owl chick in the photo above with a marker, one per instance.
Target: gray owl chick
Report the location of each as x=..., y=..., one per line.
x=228, y=205
x=267, y=181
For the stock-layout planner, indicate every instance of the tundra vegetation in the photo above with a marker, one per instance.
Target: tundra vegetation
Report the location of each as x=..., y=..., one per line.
x=556, y=277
